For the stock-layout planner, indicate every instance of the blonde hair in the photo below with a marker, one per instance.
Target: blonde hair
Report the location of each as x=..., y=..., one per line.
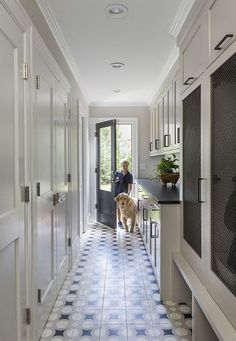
x=124, y=161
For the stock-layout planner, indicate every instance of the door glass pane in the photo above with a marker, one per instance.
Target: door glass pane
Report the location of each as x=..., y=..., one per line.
x=105, y=159
x=124, y=144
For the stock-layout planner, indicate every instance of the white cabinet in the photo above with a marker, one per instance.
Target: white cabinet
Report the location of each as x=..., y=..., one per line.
x=165, y=117
x=222, y=28
x=194, y=52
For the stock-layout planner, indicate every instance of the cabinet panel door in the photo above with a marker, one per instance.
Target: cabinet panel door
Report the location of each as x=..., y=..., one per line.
x=221, y=25
x=167, y=106
x=176, y=111
x=195, y=54
x=223, y=189
x=157, y=126
x=192, y=169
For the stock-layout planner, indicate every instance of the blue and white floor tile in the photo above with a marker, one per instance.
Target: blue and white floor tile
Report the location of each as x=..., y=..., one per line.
x=111, y=293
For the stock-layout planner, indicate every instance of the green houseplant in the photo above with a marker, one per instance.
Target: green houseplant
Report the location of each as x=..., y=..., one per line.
x=167, y=170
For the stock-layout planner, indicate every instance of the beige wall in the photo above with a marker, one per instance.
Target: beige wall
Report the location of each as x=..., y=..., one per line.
x=142, y=114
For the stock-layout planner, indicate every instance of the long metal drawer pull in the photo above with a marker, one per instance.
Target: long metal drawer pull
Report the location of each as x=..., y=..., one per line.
x=227, y=36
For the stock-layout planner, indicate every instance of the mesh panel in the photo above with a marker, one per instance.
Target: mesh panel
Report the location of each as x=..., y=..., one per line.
x=192, y=168
x=223, y=192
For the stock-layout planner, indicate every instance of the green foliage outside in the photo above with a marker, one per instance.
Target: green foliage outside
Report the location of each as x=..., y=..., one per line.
x=123, y=151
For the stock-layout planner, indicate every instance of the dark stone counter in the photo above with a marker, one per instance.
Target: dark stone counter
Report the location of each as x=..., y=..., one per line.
x=162, y=194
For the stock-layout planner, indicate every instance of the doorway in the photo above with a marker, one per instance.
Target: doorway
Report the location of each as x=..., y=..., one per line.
x=126, y=148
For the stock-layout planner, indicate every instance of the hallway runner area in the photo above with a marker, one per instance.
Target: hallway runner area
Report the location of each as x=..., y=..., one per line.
x=111, y=293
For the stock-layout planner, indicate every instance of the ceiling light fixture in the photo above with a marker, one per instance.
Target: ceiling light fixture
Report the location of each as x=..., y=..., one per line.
x=117, y=65
x=116, y=11
x=117, y=90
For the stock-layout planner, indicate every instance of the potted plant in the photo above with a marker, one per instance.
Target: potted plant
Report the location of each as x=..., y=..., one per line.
x=167, y=170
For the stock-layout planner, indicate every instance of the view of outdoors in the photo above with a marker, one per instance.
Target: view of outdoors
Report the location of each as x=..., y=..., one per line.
x=123, y=151
x=105, y=159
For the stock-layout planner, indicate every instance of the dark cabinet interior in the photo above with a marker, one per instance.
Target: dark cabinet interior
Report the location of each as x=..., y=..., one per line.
x=192, y=169
x=223, y=171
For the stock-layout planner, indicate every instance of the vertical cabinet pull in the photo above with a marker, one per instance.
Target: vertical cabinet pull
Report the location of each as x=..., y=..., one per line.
x=150, y=146
x=178, y=135
x=156, y=144
x=218, y=46
x=166, y=140
x=202, y=194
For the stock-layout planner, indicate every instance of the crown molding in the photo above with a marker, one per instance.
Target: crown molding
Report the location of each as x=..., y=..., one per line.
x=171, y=62
x=118, y=104
x=57, y=33
x=180, y=17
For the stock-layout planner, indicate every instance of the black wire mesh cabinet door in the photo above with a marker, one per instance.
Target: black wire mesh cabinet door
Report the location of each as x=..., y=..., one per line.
x=192, y=169
x=223, y=192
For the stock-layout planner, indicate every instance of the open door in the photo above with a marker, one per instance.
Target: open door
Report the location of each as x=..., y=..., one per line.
x=106, y=167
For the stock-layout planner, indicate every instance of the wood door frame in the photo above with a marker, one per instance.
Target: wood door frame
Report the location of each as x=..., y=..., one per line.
x=92, y=157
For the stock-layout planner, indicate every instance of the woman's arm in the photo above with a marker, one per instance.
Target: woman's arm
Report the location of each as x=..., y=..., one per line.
x=129, y=188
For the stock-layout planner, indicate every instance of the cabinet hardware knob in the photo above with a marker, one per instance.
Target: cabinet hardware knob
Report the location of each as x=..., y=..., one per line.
x=227, y=36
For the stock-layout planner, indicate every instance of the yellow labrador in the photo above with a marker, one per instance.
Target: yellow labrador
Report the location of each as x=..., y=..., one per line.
x=128, y=210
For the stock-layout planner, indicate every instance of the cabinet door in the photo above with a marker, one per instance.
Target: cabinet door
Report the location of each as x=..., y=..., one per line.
x=192, y=169
x=157, y=114
x=223, y=175
x=176, y=111
x=152, y=123
x=195, y=52
x=222, y=29
x=167, y=103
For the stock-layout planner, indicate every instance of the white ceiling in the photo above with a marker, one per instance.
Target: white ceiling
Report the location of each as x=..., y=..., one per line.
x=141, y=40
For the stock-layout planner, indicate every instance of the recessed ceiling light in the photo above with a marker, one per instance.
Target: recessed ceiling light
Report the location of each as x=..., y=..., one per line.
x=116, y=11
x=117, y=65
x=116, y=90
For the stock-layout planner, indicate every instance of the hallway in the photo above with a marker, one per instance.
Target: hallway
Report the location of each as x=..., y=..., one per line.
x=111, y=294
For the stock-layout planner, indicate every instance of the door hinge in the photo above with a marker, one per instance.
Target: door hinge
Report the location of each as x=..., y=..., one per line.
x=69, y=242
x=96, y=134
x=69, y=177
x=25, y=194
x=38, y=189
x=24, y=73
x=96, y=170
x=28, y=316
x=39, y=296
x=37, y=82
x=96, y=206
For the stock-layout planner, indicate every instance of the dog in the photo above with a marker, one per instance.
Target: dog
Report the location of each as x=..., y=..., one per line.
x=128, y=210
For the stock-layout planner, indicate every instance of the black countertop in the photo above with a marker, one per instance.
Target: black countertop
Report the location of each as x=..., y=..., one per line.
x=162, y=194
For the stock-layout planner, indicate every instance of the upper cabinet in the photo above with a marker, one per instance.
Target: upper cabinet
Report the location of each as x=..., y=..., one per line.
x=222, y=28
x=210, y=34
x=165, y=117
x=194, y=52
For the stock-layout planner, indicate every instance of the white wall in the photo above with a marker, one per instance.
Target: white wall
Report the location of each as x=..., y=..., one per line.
x=142, y=114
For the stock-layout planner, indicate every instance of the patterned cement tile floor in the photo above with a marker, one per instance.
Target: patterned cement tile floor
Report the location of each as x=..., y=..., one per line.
x=111, y=293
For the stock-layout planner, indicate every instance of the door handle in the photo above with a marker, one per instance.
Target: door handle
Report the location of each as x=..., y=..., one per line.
x=218, y=46
x=178, y=135
x=150, y=146
x=166, y=140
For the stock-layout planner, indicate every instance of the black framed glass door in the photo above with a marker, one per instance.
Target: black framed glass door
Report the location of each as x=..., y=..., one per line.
x=106, y=167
